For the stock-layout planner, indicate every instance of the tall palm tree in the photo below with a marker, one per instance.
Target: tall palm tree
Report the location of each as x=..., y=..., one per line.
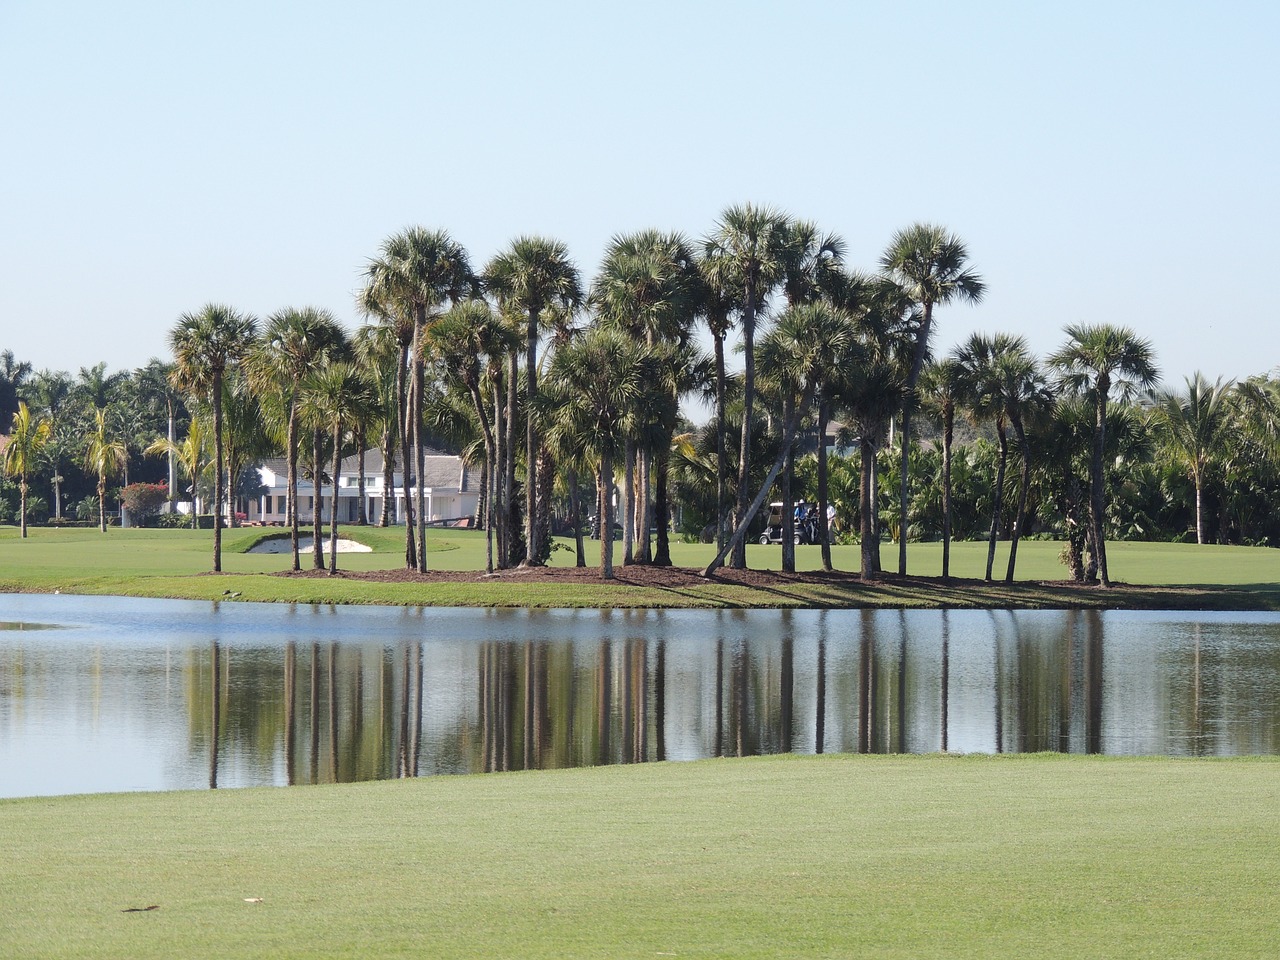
x=531, y=275
x=27, y=440
x=649, y=286
x=1194, y=427
x=416, y=273
x=375, y=349
x=869, y=397
x=205, y=345
x=294, y=342
x=335, y=397
x=746, y=252
x=1096, y=358
x=717, y=307
x=104, y=454
x=595, y=379
x=998, y=369
x=793, y=356
x=462, y=339
x=931, y=264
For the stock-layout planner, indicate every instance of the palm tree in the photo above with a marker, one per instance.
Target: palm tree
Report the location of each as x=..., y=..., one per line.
x=96, y=388
x=50, y=394
x=336, y=396
x=1195, y=429
x=189, y=454
x=746, y=252
x=793, y=356
x=1095, y=358
x=416, y=273
x=294, y=342
x=14, y=375
x=531, y=275
x=942, y=389
x=595, y=379
x=869, y=396
x=103, y=456
x=1000, y=372
x=376, y=351
x=649, y=286
x=461, y=339
x=27, y=440
x=717, y=305
x=154, y=386
x=204, y=345
x=931, y=266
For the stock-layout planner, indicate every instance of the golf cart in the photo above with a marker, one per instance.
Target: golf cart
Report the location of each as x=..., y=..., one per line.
x=806, y=529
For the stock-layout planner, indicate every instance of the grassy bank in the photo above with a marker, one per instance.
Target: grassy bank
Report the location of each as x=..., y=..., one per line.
x=781, y=856
x=175, y=563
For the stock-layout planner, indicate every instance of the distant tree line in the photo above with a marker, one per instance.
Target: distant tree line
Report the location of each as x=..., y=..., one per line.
x=567, y=393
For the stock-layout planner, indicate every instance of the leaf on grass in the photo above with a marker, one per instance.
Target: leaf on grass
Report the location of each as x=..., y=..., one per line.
x=154, y=906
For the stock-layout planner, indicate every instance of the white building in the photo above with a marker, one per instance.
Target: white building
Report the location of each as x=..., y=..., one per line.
x=451, y=491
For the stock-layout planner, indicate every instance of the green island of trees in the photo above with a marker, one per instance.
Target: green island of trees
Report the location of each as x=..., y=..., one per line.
x=569, y=395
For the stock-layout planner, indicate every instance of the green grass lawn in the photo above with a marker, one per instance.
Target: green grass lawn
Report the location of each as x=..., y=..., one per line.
x=772, y=857
x=175, y=563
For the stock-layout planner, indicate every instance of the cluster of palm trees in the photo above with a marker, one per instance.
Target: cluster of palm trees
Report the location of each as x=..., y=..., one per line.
x=556, y=385
x=79, y=431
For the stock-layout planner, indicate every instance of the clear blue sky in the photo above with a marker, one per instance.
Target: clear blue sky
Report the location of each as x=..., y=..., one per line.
x=1104, y=161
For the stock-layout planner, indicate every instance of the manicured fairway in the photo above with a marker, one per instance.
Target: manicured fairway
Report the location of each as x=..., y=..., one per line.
x=771, y=857
x=175, y=563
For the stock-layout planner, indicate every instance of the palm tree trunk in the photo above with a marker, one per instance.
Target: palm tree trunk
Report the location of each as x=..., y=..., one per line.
x=606, y=516
x=824, y=533
x=913, y=377
x=662, y=517
x=388, y=477
x=513, y=521
x=1024, y=482
x=948, y=432
x=333, y=508
x=738, y=540
x=531, y=445
x=419, y=459
x=720, y=442
x=867, y=509
x=628, y=503
x=1199, y=509
x=739, y=561
x=403, y=407
x=317, y=500
x=575, y=508
x=788, y=507
x=291, y=454
x=362, y=510
x=22, y=508
x=173, y=459
x=217, y=475
x=997, y=496
x=1097, y=498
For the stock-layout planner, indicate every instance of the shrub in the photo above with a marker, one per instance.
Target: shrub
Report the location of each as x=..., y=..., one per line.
x=144, y=499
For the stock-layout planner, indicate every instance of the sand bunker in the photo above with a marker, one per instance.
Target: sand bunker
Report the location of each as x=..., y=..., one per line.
x=281, y=545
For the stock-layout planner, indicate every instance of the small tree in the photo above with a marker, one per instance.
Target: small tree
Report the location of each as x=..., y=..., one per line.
x=27, y=439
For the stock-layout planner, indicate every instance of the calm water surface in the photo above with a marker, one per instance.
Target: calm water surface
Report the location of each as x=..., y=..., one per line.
x=105, y=694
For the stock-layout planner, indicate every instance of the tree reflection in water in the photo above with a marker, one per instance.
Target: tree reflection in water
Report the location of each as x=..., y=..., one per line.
x=638, y=687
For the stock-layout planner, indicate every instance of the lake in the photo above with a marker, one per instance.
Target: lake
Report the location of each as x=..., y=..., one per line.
x=113, y=694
